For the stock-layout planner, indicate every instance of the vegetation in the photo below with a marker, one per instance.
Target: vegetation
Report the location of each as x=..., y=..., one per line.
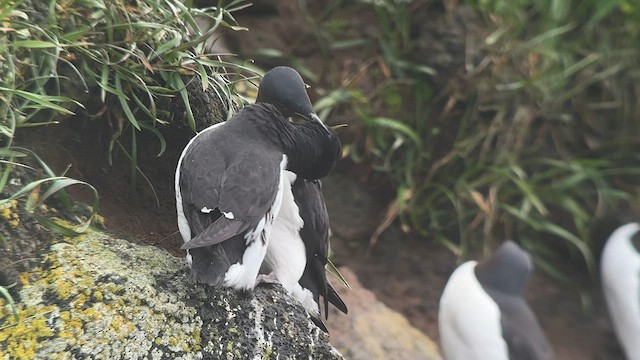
x=108, y=61
x=532, y=137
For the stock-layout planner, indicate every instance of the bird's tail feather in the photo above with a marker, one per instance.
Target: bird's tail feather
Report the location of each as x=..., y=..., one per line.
x=335, y=299
x=319, y=323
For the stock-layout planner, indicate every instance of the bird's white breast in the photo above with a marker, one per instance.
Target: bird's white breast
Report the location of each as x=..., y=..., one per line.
x=286, y=252
x=469, y=320
x=620, y=271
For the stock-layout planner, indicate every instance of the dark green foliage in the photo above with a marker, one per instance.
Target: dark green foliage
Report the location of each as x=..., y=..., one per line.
x=532, y=138
x=111, y=61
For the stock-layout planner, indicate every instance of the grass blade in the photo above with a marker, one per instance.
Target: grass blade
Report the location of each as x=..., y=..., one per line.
x=5, y=293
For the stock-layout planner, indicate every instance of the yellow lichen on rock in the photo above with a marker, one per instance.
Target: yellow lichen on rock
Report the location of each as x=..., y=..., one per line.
x=24, y=278
x=8, y=213
x=106, y=298
x=23, y=338
x=62, y=299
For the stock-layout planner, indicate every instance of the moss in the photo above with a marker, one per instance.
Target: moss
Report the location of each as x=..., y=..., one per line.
x=98, y=220
x=267, y=353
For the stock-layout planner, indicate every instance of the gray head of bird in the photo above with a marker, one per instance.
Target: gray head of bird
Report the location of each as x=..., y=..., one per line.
x=284, y=88
x=506, y=270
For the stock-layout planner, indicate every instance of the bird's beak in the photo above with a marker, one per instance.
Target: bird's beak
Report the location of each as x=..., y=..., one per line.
x=314, y=117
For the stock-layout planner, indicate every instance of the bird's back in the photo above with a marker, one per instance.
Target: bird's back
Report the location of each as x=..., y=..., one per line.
x=220, y=162
x=503, y=277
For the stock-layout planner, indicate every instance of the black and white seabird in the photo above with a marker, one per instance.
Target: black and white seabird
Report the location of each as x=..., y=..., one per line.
x=299, y=249
x=231, y=179
x=482, y=312
x=620, y=272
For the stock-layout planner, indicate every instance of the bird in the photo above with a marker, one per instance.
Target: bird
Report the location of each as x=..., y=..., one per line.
x=299, y=250
x=620, y=274
x=482, y=314
x=230, y=179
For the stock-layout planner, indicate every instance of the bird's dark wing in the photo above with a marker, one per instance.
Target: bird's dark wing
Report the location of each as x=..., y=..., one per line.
x=521, y=330
x=313, y=210
x=210, y=228
x=315, y=234
x=250, y=184
x=242, y=187
x=319, y=323
x=209, y=264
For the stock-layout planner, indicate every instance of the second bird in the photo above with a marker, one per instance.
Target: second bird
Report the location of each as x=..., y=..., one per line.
x=483, y=314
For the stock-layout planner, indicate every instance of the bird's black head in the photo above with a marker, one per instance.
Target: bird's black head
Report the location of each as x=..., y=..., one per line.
x=284, y=88
x=506, y=270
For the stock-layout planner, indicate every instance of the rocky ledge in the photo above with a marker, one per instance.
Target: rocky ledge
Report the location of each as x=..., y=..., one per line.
x=95, y=296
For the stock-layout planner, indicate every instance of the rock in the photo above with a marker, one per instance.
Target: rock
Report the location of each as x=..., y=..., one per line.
x=95, y=296
x=374, y=331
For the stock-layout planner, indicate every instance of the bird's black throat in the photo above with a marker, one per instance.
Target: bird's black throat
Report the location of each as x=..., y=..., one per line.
x=311, y=152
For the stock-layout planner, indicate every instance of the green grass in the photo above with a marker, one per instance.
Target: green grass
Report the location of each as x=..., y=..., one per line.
x=129, y=59
x=107, y=61
x=5, y=294
x=538, y=143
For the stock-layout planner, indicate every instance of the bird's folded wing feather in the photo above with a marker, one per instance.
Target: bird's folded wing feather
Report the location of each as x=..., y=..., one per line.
x=244, y=191
x=335, y=299
x=222, y=229
x=250, y=185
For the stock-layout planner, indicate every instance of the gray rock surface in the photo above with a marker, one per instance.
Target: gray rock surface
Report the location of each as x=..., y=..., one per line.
x=98, y=297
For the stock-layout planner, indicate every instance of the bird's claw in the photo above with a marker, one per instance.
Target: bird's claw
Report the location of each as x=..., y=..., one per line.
x=270, y=278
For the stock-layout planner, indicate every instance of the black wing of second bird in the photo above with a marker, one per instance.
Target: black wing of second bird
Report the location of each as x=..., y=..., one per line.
x=315, y=235
x=520, y=329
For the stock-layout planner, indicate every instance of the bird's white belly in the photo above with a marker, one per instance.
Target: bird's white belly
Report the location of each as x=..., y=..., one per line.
x=469, y=320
